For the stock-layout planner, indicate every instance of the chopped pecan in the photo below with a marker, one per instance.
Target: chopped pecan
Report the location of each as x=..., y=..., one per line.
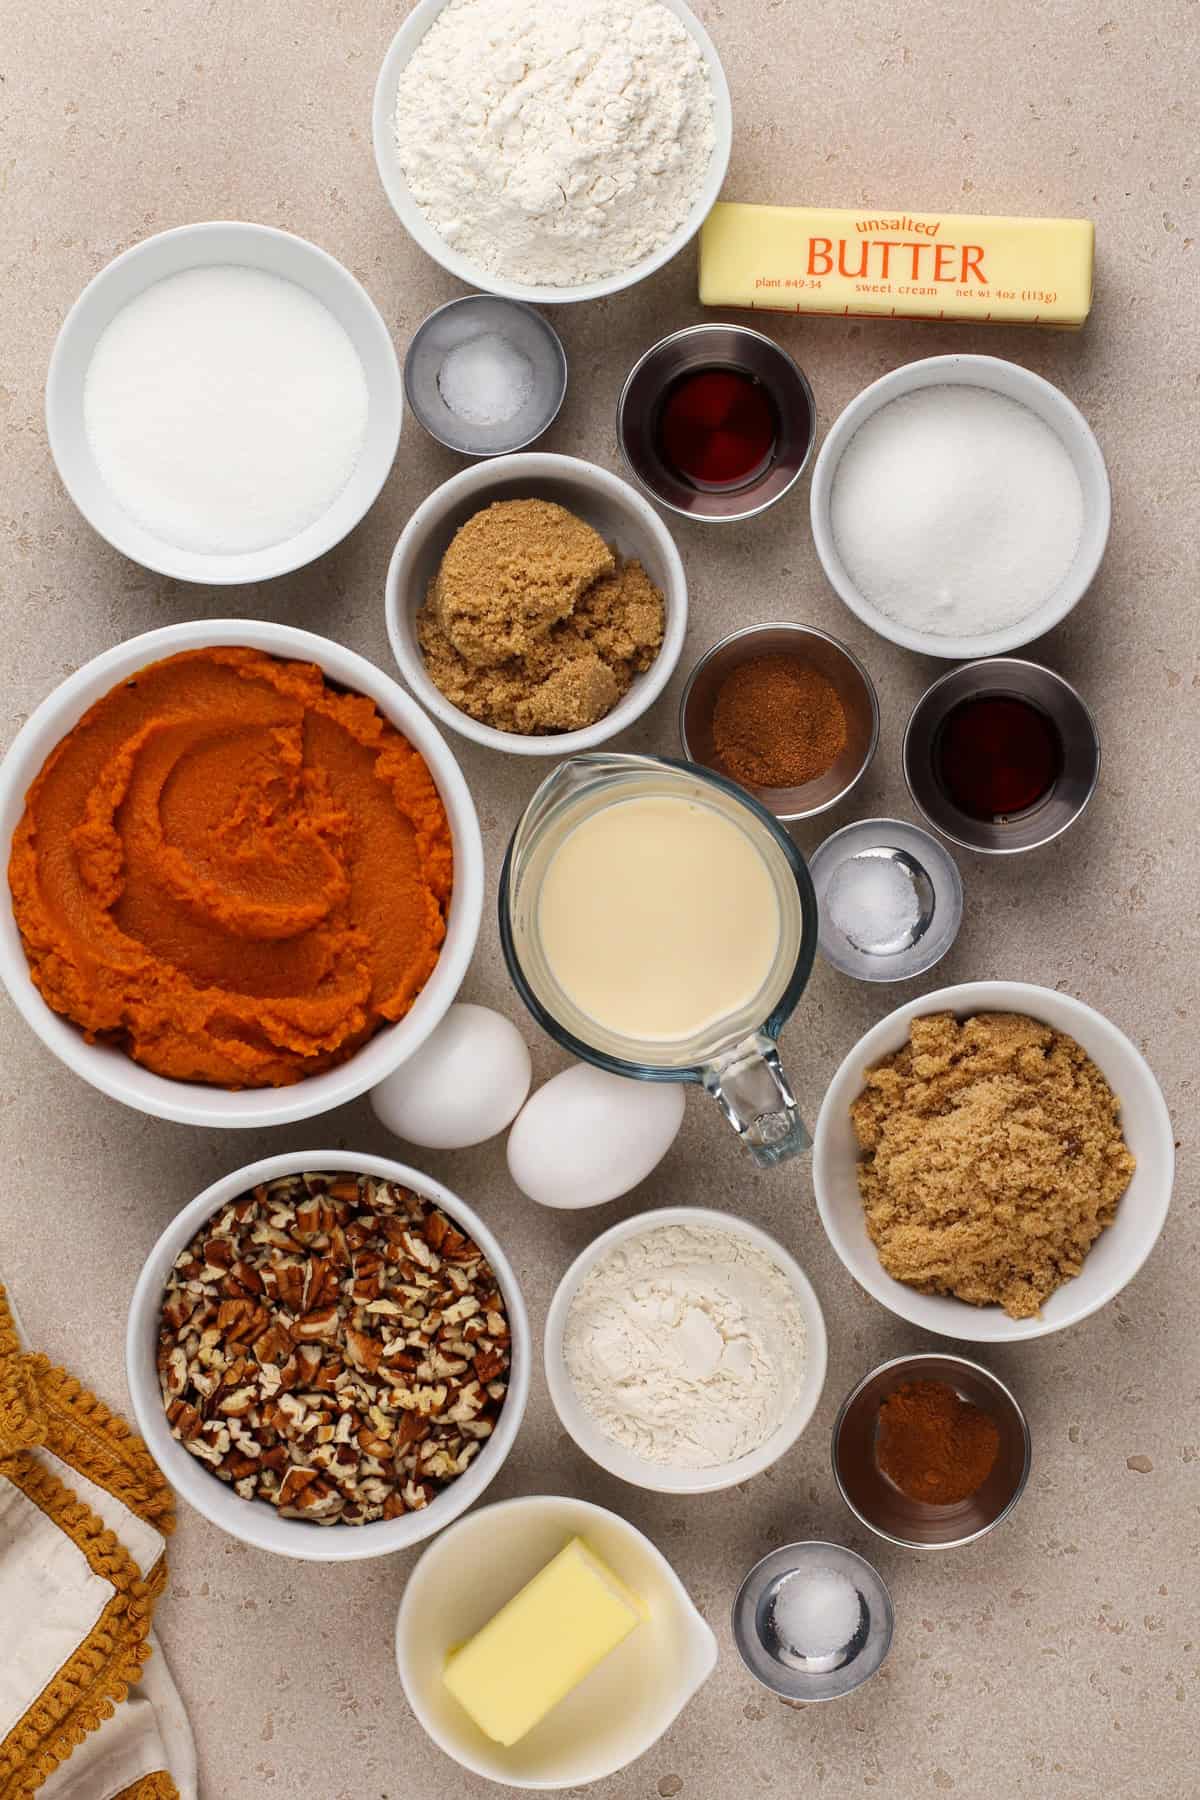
x=334, y=1347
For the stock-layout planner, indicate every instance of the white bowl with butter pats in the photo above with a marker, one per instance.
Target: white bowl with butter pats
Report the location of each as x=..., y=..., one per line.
x=618, y=1711
x=665, y=1478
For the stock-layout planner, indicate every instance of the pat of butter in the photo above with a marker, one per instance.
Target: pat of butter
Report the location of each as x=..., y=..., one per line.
x=542, y=1643
x=898, y=265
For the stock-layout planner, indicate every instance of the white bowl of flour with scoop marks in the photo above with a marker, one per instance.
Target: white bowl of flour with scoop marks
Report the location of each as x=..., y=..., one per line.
x=685, y=1350
x=660, y=924
x=557, y=150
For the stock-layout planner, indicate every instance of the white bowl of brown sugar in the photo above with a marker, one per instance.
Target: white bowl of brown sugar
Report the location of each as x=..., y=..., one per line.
x=536, y=604
x=1012, y=1182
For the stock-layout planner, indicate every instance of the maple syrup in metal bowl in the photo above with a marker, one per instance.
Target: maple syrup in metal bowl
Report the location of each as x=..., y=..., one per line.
x=716, y=422
x=997, y=756
x=1001, y=755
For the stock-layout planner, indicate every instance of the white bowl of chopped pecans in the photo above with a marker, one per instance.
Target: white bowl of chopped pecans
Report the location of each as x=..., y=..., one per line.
x=328, y=1355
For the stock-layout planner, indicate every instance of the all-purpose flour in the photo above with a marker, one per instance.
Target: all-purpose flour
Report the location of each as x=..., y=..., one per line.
x=686, y=1345
x=555, y=143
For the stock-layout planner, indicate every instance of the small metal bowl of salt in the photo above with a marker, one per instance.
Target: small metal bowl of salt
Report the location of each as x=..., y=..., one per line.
x=485, y=376
x=890, y=899
x=813, y=1621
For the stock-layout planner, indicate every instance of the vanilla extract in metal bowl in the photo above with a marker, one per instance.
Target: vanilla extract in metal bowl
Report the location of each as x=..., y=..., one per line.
x=716, y=422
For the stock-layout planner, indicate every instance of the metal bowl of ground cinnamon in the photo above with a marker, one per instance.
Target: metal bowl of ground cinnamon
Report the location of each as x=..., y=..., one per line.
x=931, y=1451
x=786, y=711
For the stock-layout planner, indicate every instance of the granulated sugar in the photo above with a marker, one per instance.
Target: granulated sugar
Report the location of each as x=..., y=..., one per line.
x=225, y=408
x=956, y=510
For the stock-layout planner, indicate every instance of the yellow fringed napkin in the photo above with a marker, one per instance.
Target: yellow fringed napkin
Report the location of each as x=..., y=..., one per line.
x=84, y=1515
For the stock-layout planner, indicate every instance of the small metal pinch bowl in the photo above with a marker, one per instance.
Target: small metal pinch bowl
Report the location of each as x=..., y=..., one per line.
x=854, y=687
x=880, y=1505
x=466, y=321
x=764, y=1637
x=744, y=352
x=937, y=899
x=1073, y=724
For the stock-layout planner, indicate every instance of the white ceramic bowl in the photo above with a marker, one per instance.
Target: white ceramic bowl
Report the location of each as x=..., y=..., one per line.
x=1041, y=397
x=419, y=229
x=620, y=1710
x=1117, y=1254
x=192, y=1103
x=254, y=1521
x=199, y=246
x=636, y=1470
x=616, y=510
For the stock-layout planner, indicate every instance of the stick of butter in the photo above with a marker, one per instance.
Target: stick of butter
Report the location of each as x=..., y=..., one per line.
x=542, y=1643
x=898, y=265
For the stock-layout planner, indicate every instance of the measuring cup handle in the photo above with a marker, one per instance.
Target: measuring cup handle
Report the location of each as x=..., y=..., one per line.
x=750, y=1087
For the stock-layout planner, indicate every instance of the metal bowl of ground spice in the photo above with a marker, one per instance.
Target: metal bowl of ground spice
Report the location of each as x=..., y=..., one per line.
x=931, y=1451
x=786, y=711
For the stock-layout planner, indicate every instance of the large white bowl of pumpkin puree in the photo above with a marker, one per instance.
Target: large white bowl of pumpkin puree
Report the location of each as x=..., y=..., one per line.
x=106, y=1065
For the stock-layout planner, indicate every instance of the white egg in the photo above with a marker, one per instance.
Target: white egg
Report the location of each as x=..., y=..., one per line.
x=588, y=1136
x=468, y=1081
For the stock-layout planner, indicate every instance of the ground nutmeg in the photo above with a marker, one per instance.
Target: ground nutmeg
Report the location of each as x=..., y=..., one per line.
x=934, y=1445
x=777, y=722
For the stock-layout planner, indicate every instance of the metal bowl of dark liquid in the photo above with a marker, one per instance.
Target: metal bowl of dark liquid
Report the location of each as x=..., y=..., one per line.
x=716, y=422
x=1001, y=755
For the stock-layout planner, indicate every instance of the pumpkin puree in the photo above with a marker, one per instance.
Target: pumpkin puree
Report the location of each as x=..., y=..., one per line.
x=232, y=870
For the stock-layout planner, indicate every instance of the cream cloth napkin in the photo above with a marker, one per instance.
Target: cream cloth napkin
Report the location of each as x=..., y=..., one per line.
x=87, y=1710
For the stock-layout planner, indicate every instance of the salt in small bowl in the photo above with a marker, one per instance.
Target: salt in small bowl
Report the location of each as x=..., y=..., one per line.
x=464, y=321
x=942, y=908
x=782, y=1667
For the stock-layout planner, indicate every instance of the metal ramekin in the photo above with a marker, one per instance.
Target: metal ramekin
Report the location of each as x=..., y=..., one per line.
x=880, y=1506
x=1071, y=790
x=699, y=347
x=855, y=689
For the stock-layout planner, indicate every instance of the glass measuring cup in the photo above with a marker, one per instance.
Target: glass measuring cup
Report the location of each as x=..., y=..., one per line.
x=735, y=1058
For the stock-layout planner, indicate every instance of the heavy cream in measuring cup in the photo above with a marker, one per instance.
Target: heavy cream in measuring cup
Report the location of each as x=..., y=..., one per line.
x=658, y=918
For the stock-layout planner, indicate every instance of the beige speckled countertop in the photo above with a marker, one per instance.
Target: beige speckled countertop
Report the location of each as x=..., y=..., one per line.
x=1061, y=1657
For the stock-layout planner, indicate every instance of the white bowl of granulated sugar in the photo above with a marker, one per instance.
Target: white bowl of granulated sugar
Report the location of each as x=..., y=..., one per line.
x=685, y=1350
x=618, y=129
x=224, y=402
x=960, y=506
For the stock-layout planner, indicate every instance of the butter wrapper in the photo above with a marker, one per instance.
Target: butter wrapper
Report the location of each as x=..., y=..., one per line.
x=898, y=265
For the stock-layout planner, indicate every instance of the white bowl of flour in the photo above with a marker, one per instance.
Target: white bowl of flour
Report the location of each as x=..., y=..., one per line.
x=553, y=151
x=685, y=1350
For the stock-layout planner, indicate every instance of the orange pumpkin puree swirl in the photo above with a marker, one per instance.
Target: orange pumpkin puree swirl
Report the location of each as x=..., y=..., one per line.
x=232, y=870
